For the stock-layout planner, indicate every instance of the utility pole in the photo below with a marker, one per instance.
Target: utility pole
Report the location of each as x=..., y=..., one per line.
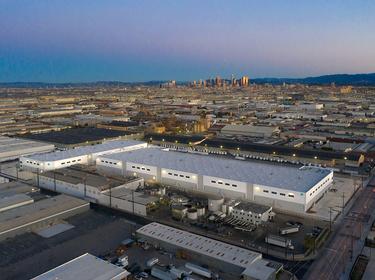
x=330, y=219
x=110, y=196
x=133, y=200
x=54, y=180
x=37, y=176
x=351, y=245
x=84, y=186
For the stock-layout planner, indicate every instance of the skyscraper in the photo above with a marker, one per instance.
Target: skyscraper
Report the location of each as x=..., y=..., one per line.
x=244, y=82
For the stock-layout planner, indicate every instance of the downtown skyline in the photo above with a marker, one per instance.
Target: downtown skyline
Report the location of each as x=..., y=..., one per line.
x=137, y=41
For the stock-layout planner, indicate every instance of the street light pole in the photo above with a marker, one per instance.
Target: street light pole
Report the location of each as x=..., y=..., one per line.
x=37, y=176
x=17, y=166
x=133, y=201
x=54, y=180
x=84, y=186
x=330, y=219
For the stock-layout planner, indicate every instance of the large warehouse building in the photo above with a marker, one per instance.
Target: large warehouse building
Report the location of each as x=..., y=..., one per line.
x=282, y=187
x=80, y=155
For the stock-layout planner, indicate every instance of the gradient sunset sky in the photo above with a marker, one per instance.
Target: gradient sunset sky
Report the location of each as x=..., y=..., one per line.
x=90, y=40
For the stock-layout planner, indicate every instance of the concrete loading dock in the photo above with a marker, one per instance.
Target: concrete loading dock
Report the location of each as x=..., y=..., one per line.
x=33, y=216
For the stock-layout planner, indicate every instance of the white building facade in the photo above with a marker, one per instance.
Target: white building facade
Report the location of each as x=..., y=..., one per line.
x=281, y=187
x=81, y=155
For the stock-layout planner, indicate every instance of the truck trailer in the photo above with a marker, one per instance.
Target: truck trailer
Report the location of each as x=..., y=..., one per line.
x=279, y=241
x=287, y=230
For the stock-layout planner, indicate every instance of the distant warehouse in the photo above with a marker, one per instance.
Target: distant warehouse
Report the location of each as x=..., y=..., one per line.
x=282, y=187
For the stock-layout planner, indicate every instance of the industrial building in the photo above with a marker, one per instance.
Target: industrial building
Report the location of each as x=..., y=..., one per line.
x=14, y=201
x=80, y=155
x=15, y=187
x=111, y=192
x=13, y=148
x=209, y=251
x=85, y=267
x=249, y=130
x=282, y=187
x=252, y=213
x=38, y=214
x=72, y=137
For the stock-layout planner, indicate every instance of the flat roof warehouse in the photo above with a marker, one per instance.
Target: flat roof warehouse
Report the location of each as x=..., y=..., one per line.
x=290, y=178
x=200, y=244
x=256, y=147
x=77, y=135
x=252, y=262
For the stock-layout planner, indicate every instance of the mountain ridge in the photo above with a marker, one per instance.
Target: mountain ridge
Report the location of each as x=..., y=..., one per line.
x=338, y=79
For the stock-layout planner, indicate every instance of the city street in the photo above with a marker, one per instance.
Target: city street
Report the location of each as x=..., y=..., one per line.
x=336, y=258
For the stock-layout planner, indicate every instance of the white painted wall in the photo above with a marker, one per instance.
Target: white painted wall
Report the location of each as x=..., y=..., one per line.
x=319, y=188
x=275, y=193
x=141, y=169
x=179, y=176
x=225, y=184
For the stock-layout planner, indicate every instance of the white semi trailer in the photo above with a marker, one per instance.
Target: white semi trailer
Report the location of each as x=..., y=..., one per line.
x=279, y=241
x=287, y=230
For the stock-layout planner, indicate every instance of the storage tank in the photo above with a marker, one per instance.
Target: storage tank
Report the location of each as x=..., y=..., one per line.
x=162, y=191
x=179, y=211
x=179, y=199
x=192, y=214
x=215, y=203
x=224, y=208
x=201, y=210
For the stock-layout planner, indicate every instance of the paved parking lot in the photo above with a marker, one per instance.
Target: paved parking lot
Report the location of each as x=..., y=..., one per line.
x=342, y=190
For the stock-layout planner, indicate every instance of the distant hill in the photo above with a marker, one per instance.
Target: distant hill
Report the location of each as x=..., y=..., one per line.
x=338, y=79
x=86, y=84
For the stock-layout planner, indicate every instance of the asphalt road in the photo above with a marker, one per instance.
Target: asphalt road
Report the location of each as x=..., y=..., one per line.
x=337, y=256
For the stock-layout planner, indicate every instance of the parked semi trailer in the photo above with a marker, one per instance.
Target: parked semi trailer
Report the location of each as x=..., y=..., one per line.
x=199, y=270
x=279, y=241
x=287, y=230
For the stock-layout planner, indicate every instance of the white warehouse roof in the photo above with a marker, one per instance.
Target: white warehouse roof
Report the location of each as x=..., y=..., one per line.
x=85, y=150
x=14, y=147
x=200, y=244
x=85, y=267
x=266, y=174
